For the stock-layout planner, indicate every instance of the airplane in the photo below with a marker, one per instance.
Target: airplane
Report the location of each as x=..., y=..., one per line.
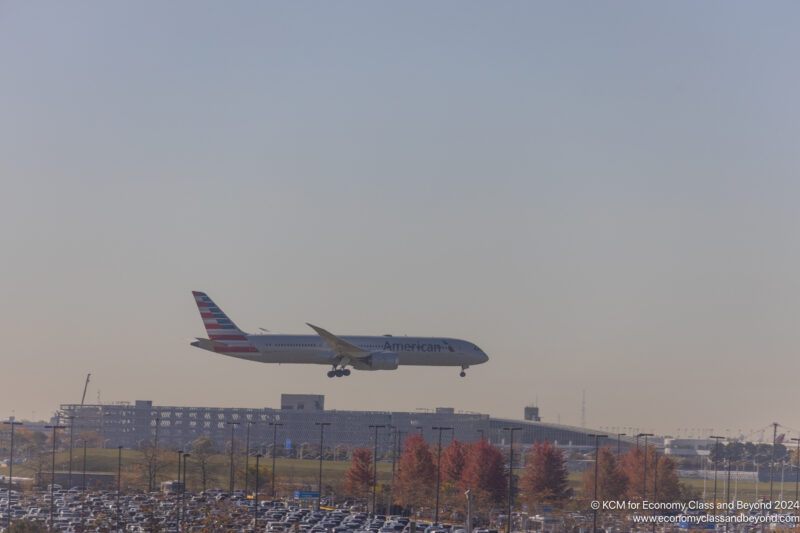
x=324, y=348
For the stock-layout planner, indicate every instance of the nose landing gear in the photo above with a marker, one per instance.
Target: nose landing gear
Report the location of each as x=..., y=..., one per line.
x=463, y=368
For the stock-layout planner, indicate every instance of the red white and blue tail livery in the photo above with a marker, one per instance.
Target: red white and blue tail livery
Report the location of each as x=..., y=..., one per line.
x=383, y=352
x=229, y=339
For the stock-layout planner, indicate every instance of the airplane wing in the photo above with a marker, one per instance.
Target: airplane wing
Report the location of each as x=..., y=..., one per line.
x=339, y=346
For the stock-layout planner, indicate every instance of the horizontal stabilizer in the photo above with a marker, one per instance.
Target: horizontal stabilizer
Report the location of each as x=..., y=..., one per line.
x=208, y=344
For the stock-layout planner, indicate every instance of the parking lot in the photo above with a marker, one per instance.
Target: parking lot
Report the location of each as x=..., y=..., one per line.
x=75, y=511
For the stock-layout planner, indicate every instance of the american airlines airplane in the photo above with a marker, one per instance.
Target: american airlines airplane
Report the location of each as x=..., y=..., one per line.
x=325, y=348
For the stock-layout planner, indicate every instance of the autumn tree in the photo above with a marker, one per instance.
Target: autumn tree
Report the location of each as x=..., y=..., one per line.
x=40, y=462
x=632, y=466
x=667, y=488
x=26, y=441
x=485, y=470
x=202, y=450
x=484, y=474
x=358, y=478
x=416, y=473
x=454, y=459
x=545, y=477
x=149, y=464
x=611, y=480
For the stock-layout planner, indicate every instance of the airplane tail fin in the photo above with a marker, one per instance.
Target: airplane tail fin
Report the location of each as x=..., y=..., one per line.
x=218, y=326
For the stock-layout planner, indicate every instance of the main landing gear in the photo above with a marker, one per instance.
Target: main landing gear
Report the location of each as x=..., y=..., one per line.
x=463, y=368
x=338, y=372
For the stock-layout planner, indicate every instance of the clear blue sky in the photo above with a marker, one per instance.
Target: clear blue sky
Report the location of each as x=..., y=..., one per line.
x=603, y=196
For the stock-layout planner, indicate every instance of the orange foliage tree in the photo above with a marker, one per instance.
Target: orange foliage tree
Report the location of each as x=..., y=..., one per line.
x=663, y=481
x=611, y=480
x=485, y=470
x=358, y=478
x=545, y=477
x=454, y=459
x=484, y=474
x=416, y=475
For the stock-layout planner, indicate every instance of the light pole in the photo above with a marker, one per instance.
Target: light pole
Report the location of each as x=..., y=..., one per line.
x=619, y=444
x=596, y=461
x=185, y=455
x=655, y=474
x=511, y=431
x=247, y=455
x=644, y=468
x=772, y=461
x=178, y=479
x=255, y=511
x=53, y=469
x=154, y=467
x=71, y=419
x=83, y=483
x=438, y=470
x=183, y=492
x=755, y=465
x=233, y=426
x=178, y=494
x=84, y=466
x=375, y=465
x=11, y=423
x=274, y=434
x=728, y=483
x=395, y=443
x=797, y=471
x=716, y=460
x=119, y=482
x=321, y=435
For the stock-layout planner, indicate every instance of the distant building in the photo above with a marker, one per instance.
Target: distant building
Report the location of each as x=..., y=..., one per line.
x=140, y=424
x=532, y=413
x=303, y=402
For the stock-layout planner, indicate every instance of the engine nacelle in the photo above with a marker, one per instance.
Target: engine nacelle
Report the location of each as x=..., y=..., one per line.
x=383, y=361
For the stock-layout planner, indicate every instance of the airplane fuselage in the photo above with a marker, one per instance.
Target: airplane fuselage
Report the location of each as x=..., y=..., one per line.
x=310, y=349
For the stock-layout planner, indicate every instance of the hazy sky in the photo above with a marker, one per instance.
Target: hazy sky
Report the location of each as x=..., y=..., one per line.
x=602, y=195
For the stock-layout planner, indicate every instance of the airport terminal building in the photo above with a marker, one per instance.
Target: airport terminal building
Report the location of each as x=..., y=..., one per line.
x=295, y=426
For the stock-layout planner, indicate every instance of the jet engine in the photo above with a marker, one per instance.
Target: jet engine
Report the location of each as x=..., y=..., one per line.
x=382, y=361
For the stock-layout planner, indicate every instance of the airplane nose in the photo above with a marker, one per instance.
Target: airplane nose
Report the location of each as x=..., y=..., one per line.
x=484, y=357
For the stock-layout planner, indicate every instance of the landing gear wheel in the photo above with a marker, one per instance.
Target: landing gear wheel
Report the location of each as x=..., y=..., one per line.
x=331, y=373
x=339, y=373
x=346, y=371
x=462, y=374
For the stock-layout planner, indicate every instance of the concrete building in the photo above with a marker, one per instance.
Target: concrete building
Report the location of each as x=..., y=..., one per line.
x=139, y=424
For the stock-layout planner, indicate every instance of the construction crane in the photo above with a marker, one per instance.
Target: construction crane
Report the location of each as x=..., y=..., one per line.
x=85, y=386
